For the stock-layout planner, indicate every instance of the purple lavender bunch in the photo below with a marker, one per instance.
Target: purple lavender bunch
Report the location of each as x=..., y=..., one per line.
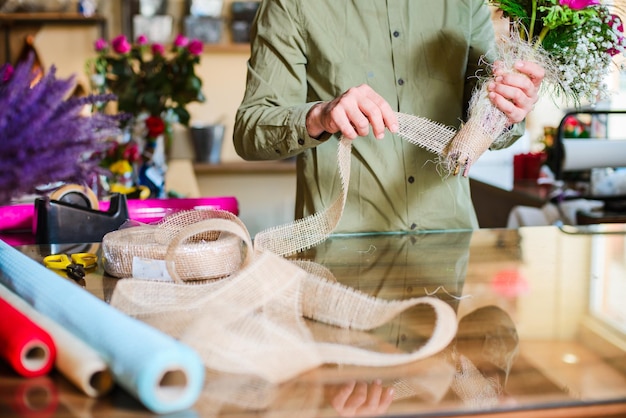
x=44, y=137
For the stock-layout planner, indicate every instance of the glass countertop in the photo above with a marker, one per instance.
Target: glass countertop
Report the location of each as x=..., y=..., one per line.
x=541, y=329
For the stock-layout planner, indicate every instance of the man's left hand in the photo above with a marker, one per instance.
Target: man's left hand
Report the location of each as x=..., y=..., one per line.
x=515, y=93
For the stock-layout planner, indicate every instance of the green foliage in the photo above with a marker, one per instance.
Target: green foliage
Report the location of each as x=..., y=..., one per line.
x=146, y=79
x=554, y=16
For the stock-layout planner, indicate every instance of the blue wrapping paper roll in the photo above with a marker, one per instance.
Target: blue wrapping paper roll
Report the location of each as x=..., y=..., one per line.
x=162, y=373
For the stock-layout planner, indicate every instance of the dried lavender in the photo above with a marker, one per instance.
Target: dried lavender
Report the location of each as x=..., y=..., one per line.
x=44, y=138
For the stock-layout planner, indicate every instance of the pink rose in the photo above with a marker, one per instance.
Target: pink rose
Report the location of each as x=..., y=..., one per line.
x=158, y=49
x=616, y=21
x=121, y=45
x=181, y=41
x=142, y=40
x=195, y=47
x=579, y=4
x=101, y=45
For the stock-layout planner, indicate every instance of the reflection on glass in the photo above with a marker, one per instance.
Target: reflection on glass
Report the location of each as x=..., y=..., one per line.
x=608, y=285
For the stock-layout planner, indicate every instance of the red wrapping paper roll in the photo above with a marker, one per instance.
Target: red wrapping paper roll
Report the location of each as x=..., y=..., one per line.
x=27, y=348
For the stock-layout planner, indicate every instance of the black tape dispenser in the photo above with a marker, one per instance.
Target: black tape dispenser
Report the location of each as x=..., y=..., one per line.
x=71, y=215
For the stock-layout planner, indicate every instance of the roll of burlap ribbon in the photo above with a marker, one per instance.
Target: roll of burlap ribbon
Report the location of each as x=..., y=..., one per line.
x=241, y=306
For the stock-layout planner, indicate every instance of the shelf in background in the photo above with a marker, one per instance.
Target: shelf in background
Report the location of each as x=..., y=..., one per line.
x=8, y=21
x=246, y=167
x=49, y=17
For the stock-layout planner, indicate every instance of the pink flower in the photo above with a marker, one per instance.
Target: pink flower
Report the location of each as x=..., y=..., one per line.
x=195, y=47
x=579, y=4
x=158, y=49
x=142, y=40
x=181, y=41
x=101, y=45
x=121, y=45
x=616, y=22
x=131, y=152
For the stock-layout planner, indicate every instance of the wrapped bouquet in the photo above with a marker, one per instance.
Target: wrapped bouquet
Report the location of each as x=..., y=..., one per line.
x=574, y=40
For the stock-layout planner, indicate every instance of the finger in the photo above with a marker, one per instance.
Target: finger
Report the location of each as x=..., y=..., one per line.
x=341, y=395
x=512, y=83
x=385, y=400
x=365, y=116
x=348, y=115
x=508, y=107
x=356, y=103
x=373, y=397
x=339, y=121
x=358, y=397
x=385, y=116
x=533, y=71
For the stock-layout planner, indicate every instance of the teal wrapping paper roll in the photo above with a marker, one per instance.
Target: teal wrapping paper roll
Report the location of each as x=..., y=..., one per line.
x=162, y=373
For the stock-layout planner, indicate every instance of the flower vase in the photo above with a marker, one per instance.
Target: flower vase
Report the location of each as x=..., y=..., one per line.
x=137, y=160
x=153, y=166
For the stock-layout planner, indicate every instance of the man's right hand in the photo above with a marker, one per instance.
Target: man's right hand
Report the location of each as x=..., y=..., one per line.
x=352, y=114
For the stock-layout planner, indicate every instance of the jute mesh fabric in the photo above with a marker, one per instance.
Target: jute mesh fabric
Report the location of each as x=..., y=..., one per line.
x=455, y=151
x=251, y=319
x=206, y=255
x=473, y=388
x=425, y=133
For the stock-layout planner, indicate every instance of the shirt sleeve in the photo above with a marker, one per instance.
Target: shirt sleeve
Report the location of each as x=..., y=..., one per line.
x=270, y=122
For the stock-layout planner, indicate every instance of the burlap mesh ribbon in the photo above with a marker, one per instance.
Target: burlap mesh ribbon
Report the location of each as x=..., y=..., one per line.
x=456, y=151
x=242, y=307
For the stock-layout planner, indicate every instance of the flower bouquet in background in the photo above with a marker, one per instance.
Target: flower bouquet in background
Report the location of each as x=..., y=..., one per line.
x=153, y=86
x=574, y=40
x=45, y=137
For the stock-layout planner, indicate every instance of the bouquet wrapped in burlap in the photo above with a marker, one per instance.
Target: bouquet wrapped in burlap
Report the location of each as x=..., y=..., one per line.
x=573, y=40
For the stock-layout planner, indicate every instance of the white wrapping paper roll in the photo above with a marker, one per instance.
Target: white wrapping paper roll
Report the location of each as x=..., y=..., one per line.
x=585, y=154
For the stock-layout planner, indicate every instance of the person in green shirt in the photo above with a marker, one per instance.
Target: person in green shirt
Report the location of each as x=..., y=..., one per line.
x=322, y=69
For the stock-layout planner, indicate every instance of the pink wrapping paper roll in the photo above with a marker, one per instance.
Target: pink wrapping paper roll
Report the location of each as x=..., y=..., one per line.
x=19, y=217
x=27, y=348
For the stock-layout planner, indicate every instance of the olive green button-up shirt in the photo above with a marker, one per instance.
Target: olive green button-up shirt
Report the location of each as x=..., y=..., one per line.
x=420, y=55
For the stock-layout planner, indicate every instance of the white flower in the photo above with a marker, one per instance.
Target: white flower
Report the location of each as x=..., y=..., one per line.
x=98, y=80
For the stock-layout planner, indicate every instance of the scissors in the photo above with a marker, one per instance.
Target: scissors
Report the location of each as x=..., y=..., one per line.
x=75, y=265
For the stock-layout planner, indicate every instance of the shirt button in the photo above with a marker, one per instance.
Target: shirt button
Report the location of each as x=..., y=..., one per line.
x=277, y=151
x=411, y=179
x=396, y=33
x=300, y=141
x=413, y=226
x=400, y=81
x=409, y=289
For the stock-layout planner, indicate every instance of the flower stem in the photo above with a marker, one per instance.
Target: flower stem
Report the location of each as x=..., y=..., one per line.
x=541, y=37
x=532, y=20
